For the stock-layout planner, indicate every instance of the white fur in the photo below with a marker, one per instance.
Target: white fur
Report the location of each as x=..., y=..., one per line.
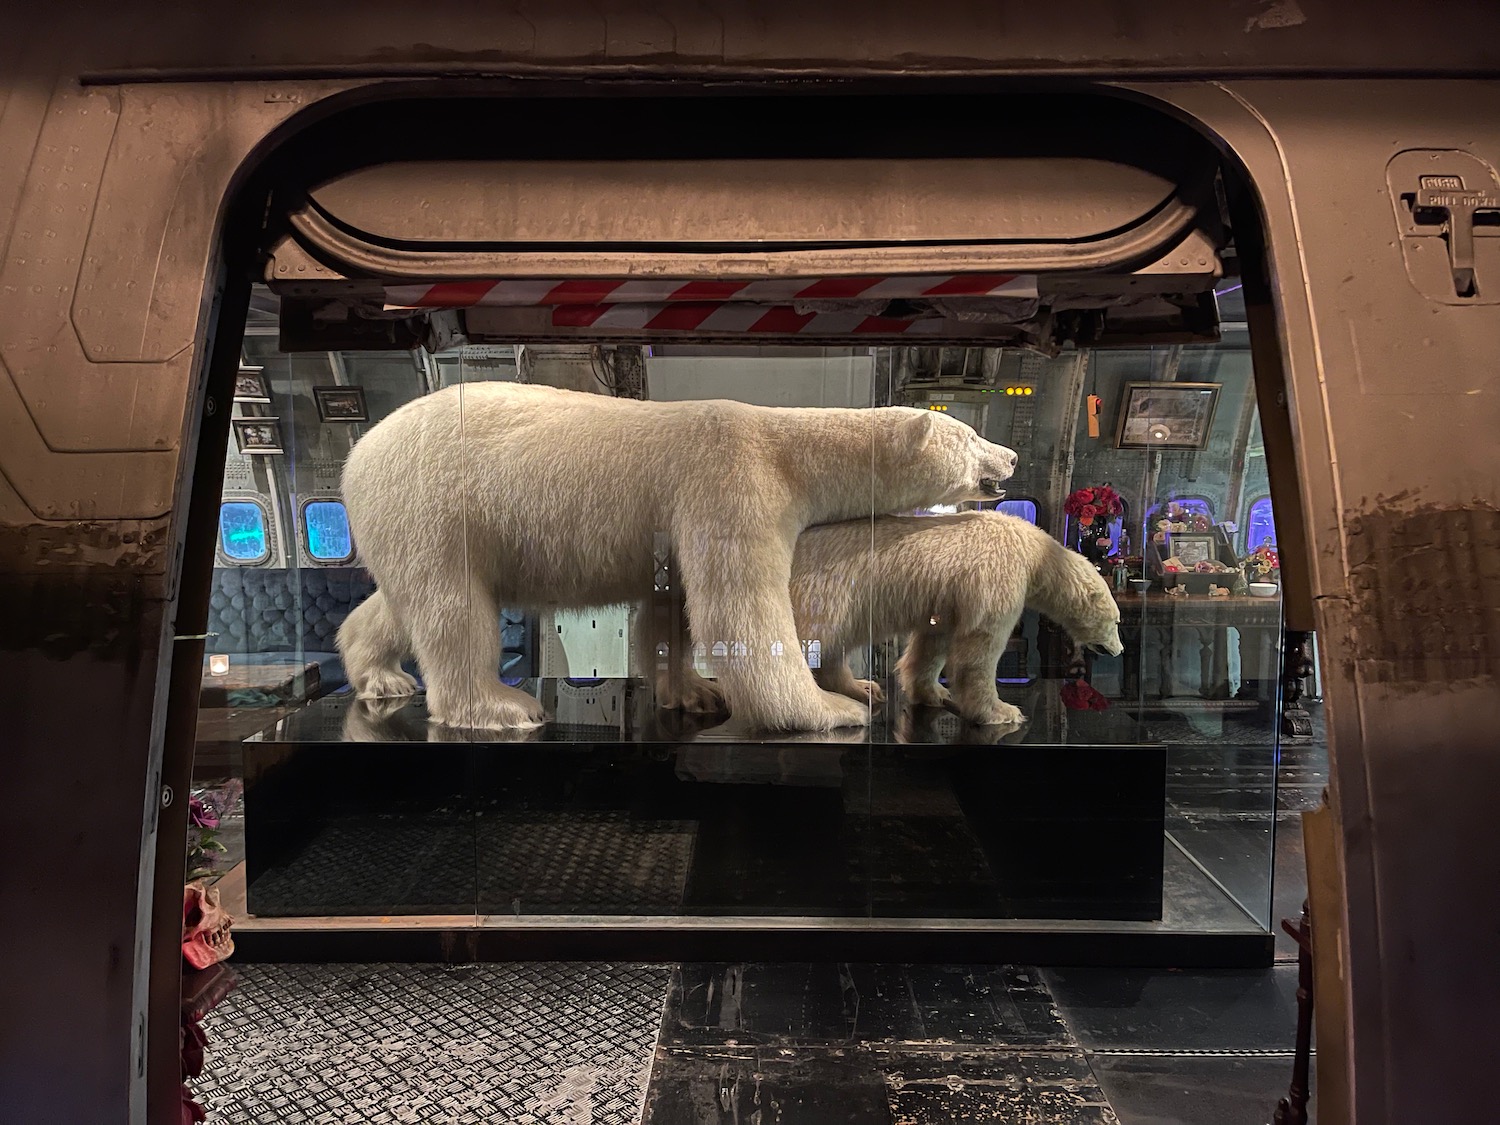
x=492, y=494
x=957, y=585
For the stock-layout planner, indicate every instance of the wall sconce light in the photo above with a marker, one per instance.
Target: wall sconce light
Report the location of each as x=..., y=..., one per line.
x=218, y=664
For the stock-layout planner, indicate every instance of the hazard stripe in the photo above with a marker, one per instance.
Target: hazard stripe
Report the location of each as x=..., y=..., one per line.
x=782, y=318
x=682, y=316
x=969, y=284
x=453, y=294
x=733, y=316
x=580, y=292
x=577, y=316
x=707, y=290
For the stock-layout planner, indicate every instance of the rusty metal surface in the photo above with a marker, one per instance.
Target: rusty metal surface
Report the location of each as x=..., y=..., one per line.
x=145, y=40
x=108, y=223
x=1395, y=404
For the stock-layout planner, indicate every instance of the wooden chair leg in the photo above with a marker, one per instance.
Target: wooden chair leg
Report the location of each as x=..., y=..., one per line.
x=1292, y=1109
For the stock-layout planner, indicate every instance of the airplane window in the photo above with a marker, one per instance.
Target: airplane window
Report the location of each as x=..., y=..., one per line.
x=242, y=531
x=1260, y=525
x=1026, y=509
x=325, y=530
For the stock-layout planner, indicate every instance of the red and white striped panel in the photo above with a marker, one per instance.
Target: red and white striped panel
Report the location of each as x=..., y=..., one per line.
x=737, y=317
x=654, y=291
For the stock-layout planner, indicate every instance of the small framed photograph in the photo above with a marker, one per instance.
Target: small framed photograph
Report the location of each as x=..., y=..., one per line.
x=250, y=385
x=1192, y=547
x=258, y=435
x=1166, y=415
x=341, y=404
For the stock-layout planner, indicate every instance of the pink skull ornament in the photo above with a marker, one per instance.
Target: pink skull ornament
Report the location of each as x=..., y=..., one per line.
x=205, y=926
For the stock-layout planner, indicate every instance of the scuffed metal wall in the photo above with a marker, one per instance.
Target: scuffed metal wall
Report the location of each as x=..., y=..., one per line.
x=108, y=223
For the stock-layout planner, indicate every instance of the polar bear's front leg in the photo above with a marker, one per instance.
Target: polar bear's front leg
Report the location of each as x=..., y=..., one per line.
x=920, y=666
x=456, y=638
x=972, y=662
x=738, y=582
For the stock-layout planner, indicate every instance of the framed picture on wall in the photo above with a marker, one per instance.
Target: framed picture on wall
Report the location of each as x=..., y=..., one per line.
x=1166, y=415
x=250, y=385
x=258, y=435
x=1192, y=547
x=341, y=404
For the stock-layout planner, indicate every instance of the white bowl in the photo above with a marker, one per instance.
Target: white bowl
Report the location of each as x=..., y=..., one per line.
x=1262, y=589
x=1140, y=585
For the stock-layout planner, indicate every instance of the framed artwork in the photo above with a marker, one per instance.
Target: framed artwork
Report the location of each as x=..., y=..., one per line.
x=258, y=435
x=1192, y=547
x=250, y=385
x=1166, y=415
x=341, y=404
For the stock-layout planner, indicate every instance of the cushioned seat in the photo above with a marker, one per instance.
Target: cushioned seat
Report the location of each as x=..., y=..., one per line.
x=269, y=616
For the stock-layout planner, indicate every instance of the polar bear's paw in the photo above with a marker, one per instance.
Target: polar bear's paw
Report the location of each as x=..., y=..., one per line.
x=386, y=683
x=931, y=694
x=998, y=713
x=502, y=708
x=836, y=711
x=693, y=694
x=871, y=691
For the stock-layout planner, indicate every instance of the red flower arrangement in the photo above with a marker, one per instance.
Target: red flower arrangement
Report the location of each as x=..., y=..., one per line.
x=1087, y=504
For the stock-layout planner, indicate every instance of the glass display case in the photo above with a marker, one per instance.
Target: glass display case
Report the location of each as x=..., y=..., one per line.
x=1136, y=798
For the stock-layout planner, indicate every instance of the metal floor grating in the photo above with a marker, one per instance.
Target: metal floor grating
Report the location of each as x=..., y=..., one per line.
x=525, y=1044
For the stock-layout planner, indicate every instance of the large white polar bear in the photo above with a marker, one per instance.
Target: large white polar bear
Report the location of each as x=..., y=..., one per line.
x=528, y=496
x=957, y=586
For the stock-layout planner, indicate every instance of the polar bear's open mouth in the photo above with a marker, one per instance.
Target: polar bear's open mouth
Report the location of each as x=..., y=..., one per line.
x=990, y=486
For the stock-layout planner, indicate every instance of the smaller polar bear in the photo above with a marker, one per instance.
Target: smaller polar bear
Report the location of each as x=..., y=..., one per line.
x=957, y=586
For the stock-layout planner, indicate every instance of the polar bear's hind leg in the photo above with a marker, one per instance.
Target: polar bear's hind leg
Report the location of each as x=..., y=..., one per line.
x=372, y=642
x=457, y=644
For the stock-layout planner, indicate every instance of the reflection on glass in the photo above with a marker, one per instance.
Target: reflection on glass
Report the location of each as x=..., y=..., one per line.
x=1140, y=790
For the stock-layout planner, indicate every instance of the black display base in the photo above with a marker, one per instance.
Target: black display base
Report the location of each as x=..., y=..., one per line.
x=706, y=831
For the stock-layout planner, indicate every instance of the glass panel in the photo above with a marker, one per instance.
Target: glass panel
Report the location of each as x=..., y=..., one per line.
x=559, y=583
x=242, y=531
x=325, y=525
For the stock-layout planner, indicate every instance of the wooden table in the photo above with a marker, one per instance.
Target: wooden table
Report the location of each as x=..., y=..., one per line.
x=1207, y=621
x=272, y=683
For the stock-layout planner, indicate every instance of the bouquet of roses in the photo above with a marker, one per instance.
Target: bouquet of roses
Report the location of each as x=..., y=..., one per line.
x=1088, y=504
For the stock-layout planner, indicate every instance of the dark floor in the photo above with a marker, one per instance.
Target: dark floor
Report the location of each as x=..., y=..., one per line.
x=796, y=1044
x=774, y=1044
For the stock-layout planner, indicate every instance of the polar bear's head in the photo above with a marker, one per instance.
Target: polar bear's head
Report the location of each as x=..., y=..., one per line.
x=1093, y=620
x=947, y=462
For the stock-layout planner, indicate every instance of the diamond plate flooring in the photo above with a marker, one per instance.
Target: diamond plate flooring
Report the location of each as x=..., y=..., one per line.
x=525, y=1044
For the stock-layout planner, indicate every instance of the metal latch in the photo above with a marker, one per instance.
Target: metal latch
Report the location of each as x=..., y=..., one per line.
x=1446, y=203
x=1444, y=200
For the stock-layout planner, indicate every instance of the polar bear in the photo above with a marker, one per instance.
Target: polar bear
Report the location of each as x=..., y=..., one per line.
x=485, y=494
x=957, y=586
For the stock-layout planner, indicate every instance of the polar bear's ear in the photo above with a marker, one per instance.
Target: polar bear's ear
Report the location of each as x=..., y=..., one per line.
x=918, y=431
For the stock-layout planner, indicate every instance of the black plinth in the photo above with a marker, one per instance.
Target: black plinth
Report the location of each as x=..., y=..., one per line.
x=918, y=818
